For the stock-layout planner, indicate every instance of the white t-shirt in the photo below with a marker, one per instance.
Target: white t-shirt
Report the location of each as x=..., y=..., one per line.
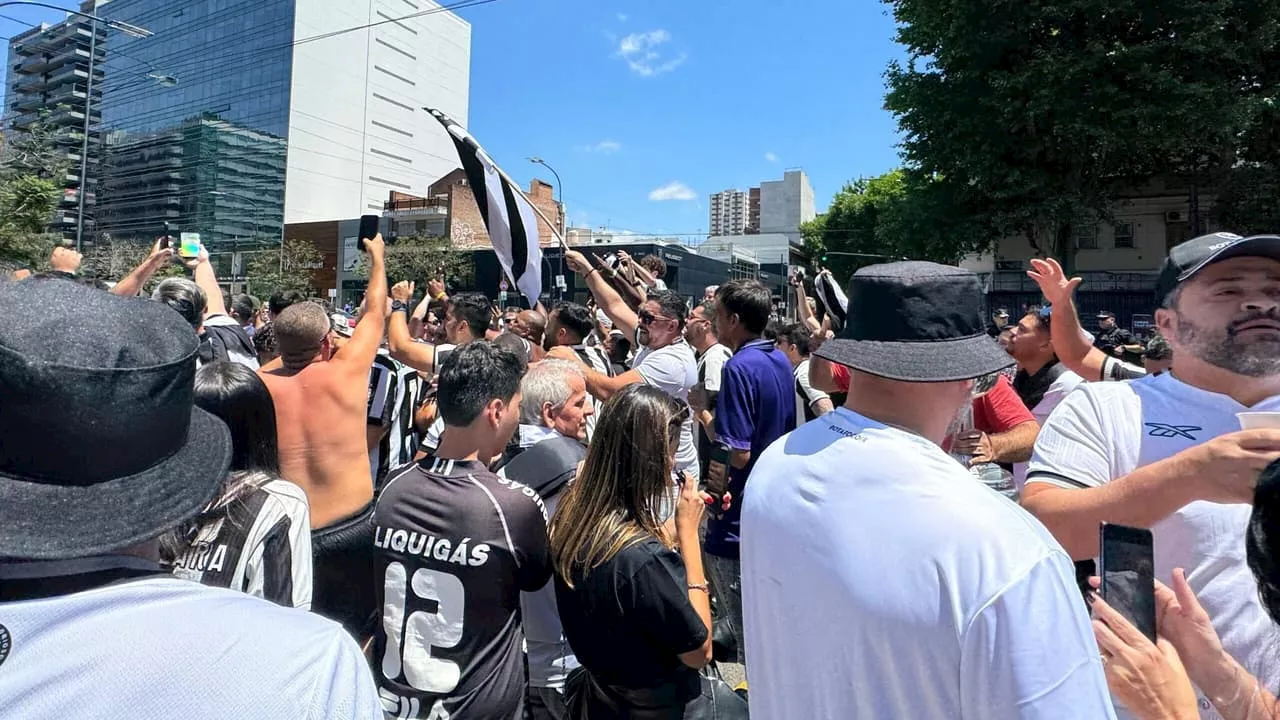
x=673, y=370
x=711, y=366
x=164, y=647
x=1107, y=430
x=807, y=394
x=1058, y=389
x=922, y=594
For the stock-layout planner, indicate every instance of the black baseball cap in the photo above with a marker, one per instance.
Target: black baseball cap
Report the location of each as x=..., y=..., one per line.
x=1192, y=256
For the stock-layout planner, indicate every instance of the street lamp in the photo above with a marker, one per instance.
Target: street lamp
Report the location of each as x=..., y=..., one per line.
x=536, y=160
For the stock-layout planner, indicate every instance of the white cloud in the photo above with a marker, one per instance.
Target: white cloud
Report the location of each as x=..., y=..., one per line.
x=622, y=17
x=604, y=147
x=674, y=190
x=643, y=54
x=770, y=157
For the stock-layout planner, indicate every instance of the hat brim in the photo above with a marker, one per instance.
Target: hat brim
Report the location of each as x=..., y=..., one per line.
x=933, y=361
x=44, y=521
x=1267, y=246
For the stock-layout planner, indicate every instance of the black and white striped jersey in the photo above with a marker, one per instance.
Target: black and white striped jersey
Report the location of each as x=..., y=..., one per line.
x=395, y=390
x=258, y=542
x=593, y=356
x=454, y=547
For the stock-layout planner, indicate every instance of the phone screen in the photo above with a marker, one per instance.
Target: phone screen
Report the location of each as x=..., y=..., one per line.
x=1128, y=575
x=716, y=489
x=368, y=227
x=190, y=245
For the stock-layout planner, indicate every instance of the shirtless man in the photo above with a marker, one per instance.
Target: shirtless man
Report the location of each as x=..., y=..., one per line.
x=320, y=403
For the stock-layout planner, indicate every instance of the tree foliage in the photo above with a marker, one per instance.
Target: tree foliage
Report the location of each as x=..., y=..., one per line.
x=110, y=259
x=898, y=215
x=32, y=168
x=294, y=268
x=419, y=258
x=1034, y=113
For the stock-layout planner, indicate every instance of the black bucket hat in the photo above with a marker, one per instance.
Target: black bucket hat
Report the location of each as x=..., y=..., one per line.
x=916, y=322
x=101, y=445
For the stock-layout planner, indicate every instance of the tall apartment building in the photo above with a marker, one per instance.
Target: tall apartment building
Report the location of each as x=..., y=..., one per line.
x=785, y=204
x=729, y=212
x=48, y=75
x=753, y=211
x=269, y=122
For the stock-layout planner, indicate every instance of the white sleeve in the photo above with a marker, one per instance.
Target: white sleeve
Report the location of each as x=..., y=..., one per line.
x=344, y=685
x=811, y=395
x=1072, y=449
x=665, y=371
x=713, y=369
x=1030, y=653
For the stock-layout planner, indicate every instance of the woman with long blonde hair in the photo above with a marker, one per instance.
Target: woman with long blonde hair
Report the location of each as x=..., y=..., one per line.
x=633, y=600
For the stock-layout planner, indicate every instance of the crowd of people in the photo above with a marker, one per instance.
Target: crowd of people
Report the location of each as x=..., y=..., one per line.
x=430, y=507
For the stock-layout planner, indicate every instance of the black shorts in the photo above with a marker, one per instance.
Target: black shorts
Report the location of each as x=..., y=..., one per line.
x=344, y=586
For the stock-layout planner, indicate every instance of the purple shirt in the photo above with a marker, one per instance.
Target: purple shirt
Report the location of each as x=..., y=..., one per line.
x=755, y=407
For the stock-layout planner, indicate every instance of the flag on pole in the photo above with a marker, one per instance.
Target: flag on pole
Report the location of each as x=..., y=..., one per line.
x=833, y=300
x=508, y=216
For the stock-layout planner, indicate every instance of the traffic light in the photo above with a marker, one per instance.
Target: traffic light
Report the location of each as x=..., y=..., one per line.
x=823, y=259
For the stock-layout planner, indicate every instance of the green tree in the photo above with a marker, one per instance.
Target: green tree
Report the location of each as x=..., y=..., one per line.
x=33, y=164
x=110, y=259
x=419, y=258
x=898, y=215
x=1032, y=114
x=293, y=268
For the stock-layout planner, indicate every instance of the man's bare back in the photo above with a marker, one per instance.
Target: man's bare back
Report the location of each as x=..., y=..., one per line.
x=320, y=423
x=321, y=409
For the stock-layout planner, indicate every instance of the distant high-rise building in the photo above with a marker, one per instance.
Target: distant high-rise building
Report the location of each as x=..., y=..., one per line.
x=753, y=211
x=239, y=116
x=48, y=84
x=785, y=204
x=729, y=213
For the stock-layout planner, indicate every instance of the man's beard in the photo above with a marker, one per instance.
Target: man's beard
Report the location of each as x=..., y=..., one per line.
x=1227, y=350
x=643, y=337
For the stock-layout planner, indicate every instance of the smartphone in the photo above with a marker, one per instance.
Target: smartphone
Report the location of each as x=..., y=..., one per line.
x=717, y=488
x=368, y=227
x=166, y=237
x=1127, y=567
x=189, y=244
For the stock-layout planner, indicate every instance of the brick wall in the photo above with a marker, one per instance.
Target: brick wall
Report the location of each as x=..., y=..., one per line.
x=466, y=227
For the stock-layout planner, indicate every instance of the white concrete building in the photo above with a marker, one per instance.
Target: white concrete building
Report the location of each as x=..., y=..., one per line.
x=357, y=130
x=729, y=209
x=785, y=204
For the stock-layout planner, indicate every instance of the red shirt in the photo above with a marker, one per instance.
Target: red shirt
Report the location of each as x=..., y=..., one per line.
x=1000, y=410
x=840, y=375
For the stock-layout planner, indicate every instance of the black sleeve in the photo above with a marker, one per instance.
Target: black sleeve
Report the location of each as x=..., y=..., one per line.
x=382, y=396
x=532, y=548
x=659, y=593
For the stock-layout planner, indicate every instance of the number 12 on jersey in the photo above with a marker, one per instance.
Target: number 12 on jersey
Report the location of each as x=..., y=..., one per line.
x=440, y=629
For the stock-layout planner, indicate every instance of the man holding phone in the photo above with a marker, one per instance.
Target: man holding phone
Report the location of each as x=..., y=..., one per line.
x=321, y=401
x=1167, y=453
x=755, y=406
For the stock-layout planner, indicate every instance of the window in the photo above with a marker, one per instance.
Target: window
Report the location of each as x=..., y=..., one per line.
x=1124, y=235
x=1086, y=236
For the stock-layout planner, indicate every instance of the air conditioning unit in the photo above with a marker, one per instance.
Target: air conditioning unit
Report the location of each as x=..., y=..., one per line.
x=1173, y=216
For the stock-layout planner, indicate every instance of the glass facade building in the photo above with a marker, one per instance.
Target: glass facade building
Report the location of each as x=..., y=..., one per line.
x=206, y=154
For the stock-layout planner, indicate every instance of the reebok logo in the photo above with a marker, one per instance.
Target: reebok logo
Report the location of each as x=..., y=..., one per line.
x=1162, y=430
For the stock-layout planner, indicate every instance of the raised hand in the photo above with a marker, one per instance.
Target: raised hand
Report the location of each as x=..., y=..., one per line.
x=1054, y=283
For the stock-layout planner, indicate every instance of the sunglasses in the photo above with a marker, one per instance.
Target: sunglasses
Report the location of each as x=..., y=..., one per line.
x=647, y=317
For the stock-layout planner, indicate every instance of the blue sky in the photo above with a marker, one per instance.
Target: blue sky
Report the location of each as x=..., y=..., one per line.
x=637, y=99
x=627, y=97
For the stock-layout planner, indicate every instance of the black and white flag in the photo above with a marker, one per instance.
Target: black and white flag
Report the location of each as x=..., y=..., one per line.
x=507, y=213
x=833, y=300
